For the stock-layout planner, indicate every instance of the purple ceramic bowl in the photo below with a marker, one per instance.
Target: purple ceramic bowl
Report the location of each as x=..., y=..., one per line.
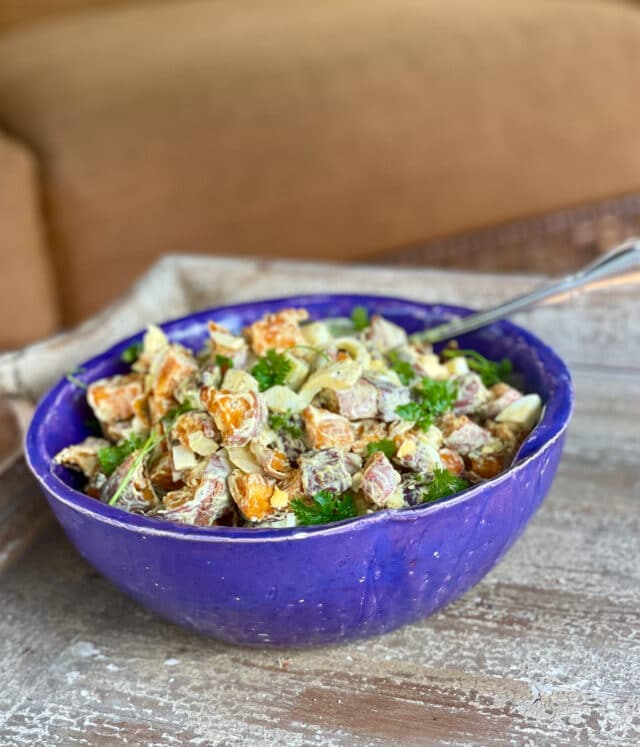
x=313, y=585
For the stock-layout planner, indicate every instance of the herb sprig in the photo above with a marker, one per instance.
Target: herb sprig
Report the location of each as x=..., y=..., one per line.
x=360, y=318
x=285, y=421
x=491, y=372
x=132, y=353
x=444, y=483
x=433, y=398
x=404, y=369
x=223, y=362
x=272, y=369
x=111, y=457
x=386, y=446
x=149, y=445
x=72, y=376
x=325, y=508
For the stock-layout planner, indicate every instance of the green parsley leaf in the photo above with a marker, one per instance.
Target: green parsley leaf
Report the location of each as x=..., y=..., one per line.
x=132, y=353
x=285, y=421
x=386, y=446
x=491, y=372
x=360, y=318
x=404, y=369
x=72, y=376
x=271, y=369
x=111, y=457
x=223, y=362
x=325, y=508
x=444, y=483
x=149, y=445
x=433, y=398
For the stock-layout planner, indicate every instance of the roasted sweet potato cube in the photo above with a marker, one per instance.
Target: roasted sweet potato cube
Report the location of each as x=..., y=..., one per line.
x=112, y=399
x=176, y=364
x=252, y=494
x=239, y=416
x=278, y=331
x=325, y=428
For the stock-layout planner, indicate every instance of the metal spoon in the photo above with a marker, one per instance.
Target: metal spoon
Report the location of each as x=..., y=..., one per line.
x=620, y=265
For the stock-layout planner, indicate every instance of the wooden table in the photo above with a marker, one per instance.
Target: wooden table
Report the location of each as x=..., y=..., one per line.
x=546, y=650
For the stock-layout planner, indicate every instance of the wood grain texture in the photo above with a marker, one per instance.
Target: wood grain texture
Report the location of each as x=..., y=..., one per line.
x=545, y=650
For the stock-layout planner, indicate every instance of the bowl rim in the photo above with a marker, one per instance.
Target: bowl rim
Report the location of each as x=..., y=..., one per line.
x=40, y=465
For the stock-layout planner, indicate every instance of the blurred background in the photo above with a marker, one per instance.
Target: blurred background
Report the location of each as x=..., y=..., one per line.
x=480, y=134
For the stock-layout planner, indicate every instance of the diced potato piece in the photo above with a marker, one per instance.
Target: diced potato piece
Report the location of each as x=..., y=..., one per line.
x=463, y=435
x=325, y=429
x=252, y=494
x=112, y=399
x=239, y=416
x=237, y=380
x=224, y=343
x=524, y=412
x=359, y=402
x=457, y=366
x=282, y=399
x=472, y=394
x=243, y=458
x=429, y=365
x=324, y=469
x=316, y=334
x=384, y=335
x=278, y=331
x=379, y=480
x=182, y=458
x=83, y=456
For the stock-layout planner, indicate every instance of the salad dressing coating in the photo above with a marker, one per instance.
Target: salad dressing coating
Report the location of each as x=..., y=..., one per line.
x=297, y=422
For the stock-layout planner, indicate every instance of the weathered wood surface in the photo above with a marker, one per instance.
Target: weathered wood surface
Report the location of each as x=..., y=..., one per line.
x=546, y=650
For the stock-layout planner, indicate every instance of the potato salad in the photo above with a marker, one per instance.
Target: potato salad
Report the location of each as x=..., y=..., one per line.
x=295, y=422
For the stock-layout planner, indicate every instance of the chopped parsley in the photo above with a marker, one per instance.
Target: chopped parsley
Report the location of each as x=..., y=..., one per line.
x=386, y=446
x=132, y=353
x=405, y=371
x=72, y=376
x=360, y=318
x=285, y=421
x=491, y=372
x=324, y=508
x=149, y=445
x=444, y=483
x=111, y=457
x=433, y=398
x=223, y=362
x=273, y=368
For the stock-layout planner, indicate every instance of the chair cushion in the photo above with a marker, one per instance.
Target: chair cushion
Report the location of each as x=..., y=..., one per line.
x=337, y=129
x=28, y=305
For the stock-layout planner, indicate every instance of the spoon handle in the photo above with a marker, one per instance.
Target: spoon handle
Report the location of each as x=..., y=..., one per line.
x=621, y=262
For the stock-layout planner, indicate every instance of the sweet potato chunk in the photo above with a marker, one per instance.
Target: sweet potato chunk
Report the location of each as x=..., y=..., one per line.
x=252, y=494
x=325, y=429
x=278, y=331
x=112, y=399
x=239, y=416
